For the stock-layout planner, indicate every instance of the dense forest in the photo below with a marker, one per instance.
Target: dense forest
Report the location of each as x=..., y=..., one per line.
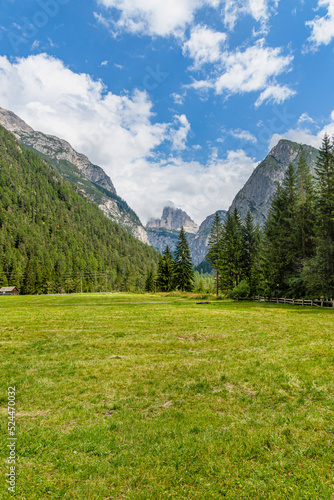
x=294, y=255
x=52, y=240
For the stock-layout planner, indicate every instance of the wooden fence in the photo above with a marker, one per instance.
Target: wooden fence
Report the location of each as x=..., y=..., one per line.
x=297, y=302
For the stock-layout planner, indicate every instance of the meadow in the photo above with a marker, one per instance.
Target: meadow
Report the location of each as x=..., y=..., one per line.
x=142, y=397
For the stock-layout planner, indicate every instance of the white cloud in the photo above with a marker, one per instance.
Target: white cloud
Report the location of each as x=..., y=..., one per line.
x=169, y=17
x=178, y=98
x=305, y=136
x=118, y=133
x=172, y=17
x=204, y=45
x=104, y=63
x=251, y=69
x=275, y=94
x=179, y=136
x=243, y=135
x=260, y=10
x=305, y=118
x=322, y=28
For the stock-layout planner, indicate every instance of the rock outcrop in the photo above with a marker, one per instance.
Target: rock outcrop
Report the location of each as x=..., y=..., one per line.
x=174, y=218
x=165, y=231
x=257, y=193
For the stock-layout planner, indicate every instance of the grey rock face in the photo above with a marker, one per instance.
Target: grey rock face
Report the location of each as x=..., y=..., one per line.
x=75, y=167
x=257, y=193
x=54, y=148
x=174, y=218
x=160, y=236
x=199, y=244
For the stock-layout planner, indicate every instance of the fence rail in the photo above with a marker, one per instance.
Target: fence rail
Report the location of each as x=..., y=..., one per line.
x=297, y=302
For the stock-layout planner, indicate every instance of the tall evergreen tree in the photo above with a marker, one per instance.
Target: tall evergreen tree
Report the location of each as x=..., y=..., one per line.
x=215, y=246
x=305, y=207
x=250, y=250
x=282, y=253
x=231, y=268
x=319, y=272
x=150, y=281
x=184, y=271
x=166, y=271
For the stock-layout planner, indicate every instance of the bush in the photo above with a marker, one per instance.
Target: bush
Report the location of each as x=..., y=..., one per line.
x=242, y=290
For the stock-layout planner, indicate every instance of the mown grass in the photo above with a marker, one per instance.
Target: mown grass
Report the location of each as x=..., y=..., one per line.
x=153, y=397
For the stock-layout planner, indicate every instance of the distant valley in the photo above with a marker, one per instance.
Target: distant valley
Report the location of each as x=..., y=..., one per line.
x=91, y=182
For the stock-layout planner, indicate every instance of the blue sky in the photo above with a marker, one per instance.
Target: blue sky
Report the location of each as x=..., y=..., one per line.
x=178, y=100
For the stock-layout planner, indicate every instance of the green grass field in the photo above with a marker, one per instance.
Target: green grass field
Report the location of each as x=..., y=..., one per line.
x=148, y=397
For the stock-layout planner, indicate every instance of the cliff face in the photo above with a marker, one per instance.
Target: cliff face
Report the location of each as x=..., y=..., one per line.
x=165, y=231
x=257, y=193
x=87, y=179
x=199, y=244
x=174, y=218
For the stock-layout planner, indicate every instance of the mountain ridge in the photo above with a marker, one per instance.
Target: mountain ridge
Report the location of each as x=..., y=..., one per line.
x=256, y=194
x=88, y=179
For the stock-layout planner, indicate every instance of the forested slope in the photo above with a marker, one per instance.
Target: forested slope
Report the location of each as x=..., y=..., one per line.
x=51, y=239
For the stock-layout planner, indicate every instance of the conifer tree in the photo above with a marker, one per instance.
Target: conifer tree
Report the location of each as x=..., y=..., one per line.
x=305, y=207
x=166, y=271
x=215, y=246
x=150, y=281
x=282, y=253
x=184, y=272
x=319, y=271
x=250, y=249
x=231, y=268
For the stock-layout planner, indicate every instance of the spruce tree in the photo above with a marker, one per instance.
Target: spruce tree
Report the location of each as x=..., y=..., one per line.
x=281, y=254
x=215, y=246
x=305, y=207
x=250, y=250
x=231, y=268
x=184, y=271
x=150, y=281
x=319, y=271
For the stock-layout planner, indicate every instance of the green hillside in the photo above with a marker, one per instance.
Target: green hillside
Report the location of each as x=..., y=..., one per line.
x=52, y=239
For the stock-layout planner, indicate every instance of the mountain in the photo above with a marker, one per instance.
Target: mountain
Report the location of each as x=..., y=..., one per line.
x=199, y=244
x=89, y=180
x=173, y=219
x=165, y=231
x=257, y=193
x=51, y=237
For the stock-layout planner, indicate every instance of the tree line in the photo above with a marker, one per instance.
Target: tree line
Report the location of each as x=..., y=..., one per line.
x=293, y=255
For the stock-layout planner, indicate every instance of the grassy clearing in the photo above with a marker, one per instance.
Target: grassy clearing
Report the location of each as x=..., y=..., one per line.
x=153, y=397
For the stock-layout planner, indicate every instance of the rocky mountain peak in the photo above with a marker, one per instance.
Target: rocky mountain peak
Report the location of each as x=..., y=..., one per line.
x=13, y=123
x=257, y=193
x=55, y=148
x=173, y=219
x=285, y=151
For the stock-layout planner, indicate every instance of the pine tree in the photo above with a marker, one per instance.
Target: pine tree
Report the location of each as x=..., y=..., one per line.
x=215, y=246
x=319, y=271
x=305, y=207
x=282, y=253
x=29, y=279
x=231, y=268
x=250, y=250
x=166, y=271
x=150, y=281
x=324, y=171
x=184, y=272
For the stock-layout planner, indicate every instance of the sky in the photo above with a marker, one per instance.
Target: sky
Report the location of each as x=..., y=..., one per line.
x=177, y=100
